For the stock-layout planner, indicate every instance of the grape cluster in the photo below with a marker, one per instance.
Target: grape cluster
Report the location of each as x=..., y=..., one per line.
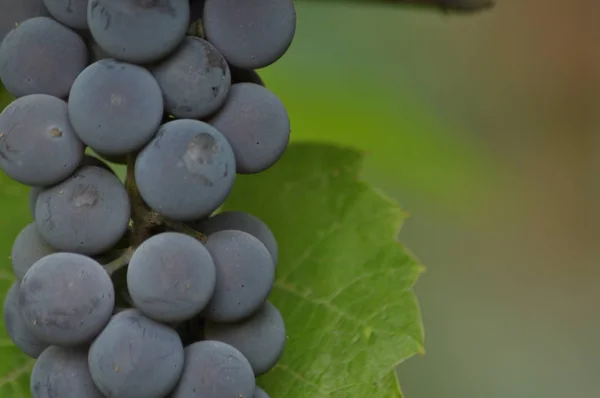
x=141, y=288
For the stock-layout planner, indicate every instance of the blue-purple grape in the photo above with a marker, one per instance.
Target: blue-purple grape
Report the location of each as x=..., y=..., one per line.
x=88, y=213
x=214, y=370
x=28, y=248
x=260, y=337
x=245, y=275
x=41, y=56
x=15, y=325
x=38, y=146
x=250, y=34
x=72, y=13
x=136, y=357
x=63, y=372
x=256, y=124
x=16, y=11
x=138, y=31
x=240, y=221
x=171, y=277
x=115, y=107
x=194, y=80
x=66, y=299
x=186, y=171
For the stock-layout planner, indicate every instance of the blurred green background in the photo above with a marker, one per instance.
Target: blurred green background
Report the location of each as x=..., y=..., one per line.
x=482, y=127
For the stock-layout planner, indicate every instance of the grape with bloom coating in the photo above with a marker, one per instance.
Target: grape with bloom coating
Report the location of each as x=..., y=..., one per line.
x=66, y=299
x=256, y=124
x=214, y=370
x=15, y=325
x=115, y=107
x=38, y=146
x=186, y=171
x=260, y=337
x=136, y=357
x=41, y=56
x=171, y=277
x=28, y=247
x=87, y=213
x=194, y=80
x=138, y=31
x=245, y=275
x=250, y=34
x=240, y=221
x=63, y=372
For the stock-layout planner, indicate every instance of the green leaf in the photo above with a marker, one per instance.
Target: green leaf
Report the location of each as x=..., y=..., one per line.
x=15, y=366
x=344, y=284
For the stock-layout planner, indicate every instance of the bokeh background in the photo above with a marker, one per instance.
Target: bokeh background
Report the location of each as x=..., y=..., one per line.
x=485, y=129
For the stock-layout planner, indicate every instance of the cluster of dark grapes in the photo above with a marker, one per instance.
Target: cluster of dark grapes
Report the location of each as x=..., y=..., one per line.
x=142, y=289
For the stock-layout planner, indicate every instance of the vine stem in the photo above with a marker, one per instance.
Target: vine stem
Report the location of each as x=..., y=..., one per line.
x=119, y=262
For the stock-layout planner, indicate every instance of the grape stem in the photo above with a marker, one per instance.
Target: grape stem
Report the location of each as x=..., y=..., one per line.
x=184, y=229
x=144, y=220
x=119, y=262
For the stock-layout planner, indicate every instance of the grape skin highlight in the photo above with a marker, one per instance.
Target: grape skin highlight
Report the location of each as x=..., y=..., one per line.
x=72, y=13
x=260, y=337
x=240, y=221
x=115, y=107
x=245, y=275
x=214, y=370
x=250, y=34
x=66, y=299
x=28, y=247
x=41, y=56
x=171, y=277
x=256, y=124
x=186, y=171
x=138, y=31
x=15, y=325
x=136, y=357
x=87, y=213
x=194, y=80
x=63, y=372
x=38, y=146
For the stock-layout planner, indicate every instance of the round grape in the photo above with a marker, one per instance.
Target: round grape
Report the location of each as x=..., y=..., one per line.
x=41, y=56
x=186, y=171
x=66, y=299
x=15, y=325
x=15, y=12
x=115, y=107
x=138, y=31
x=214, y=370
x=260, y=337
x=245, y=275
x=72, y=13
x=88, y=213
x=28, y=247
x=37, y=143
x=256, y=124
x=240, y=221
x=63, y=372
x=136, y=357
x=194, y=80
x=171, y=277
x=250, y=34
